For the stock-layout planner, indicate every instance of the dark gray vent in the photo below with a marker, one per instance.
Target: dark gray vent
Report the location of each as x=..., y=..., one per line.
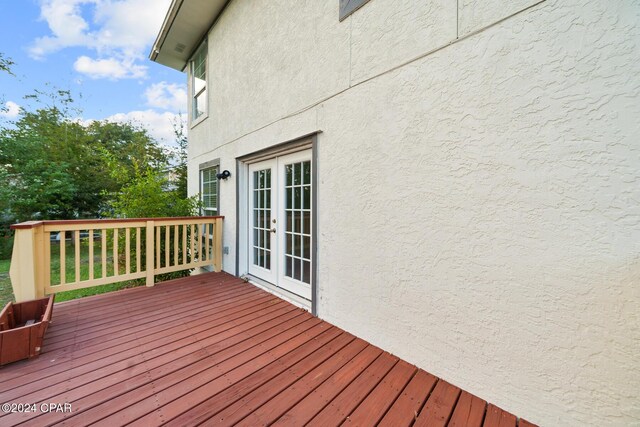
x=347, y=7
x=180, y=47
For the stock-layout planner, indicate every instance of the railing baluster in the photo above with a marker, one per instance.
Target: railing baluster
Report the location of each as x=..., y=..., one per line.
x=196, y=243
x=192, y=256
x=175, y=244
x=103, y=248
x=205, y=252
x=116, y=269
x=47, y=259
x=91, y=254
x=184, y=244
x=166, y=245
x=76, y=242
x=209, y=242
x=150, y=270
x=158, y=246
x=127, y=250
x=203, y=241
x=63, y=258
x=138, y=254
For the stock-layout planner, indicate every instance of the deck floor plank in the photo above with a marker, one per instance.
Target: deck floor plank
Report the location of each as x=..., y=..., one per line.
x=496, y=417
x=469, y=411
x=373, y=408
x=109, y=311
x=157, y=365
x=135, y=335
x=185, y=394
x=341, y=406
x=237, y=401
x=189, y=358
x=213, y=350
x=307, y=408
x=406, y=408
x=182, y=304
x=439, y=407
x=282, y=402
x=104, y=403
x=122, y=353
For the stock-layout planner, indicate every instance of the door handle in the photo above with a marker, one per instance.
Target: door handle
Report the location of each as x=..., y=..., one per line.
x=273, y=230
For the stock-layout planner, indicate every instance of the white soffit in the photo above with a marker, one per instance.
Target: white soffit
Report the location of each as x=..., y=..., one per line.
x=185, y=25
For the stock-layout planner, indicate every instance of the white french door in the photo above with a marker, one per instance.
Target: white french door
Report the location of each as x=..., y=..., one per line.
x=262, y=220
x=280, y=219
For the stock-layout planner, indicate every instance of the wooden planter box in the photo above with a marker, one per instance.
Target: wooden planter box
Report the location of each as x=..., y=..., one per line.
x=22, y=328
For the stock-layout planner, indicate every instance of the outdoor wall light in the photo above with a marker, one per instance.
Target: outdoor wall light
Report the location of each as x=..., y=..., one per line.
x=224, y=174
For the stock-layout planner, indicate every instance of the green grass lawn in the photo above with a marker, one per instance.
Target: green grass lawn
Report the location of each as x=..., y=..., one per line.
x=6, y=292
x=84, y=270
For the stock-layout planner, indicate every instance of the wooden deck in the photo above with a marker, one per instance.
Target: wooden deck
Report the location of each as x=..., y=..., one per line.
x=214, y=350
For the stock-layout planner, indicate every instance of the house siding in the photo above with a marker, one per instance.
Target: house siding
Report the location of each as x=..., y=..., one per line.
x=478, y=183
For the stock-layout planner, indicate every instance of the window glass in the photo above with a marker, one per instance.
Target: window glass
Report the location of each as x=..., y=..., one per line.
x=199, y=82
x=209, y=190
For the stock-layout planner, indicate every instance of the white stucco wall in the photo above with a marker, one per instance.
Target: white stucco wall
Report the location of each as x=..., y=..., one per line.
x=479, y=207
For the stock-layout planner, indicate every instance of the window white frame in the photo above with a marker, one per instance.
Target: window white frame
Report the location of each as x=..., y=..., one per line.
x=210, y=190
x=198, y=69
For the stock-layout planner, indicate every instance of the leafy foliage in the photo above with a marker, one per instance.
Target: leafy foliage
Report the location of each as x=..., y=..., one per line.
x=58, y=168
x=5, y=64
x=181, y=168
x=147, y=196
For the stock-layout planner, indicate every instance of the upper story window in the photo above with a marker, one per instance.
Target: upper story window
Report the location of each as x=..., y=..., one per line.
x=199, y=82
x=347, y=7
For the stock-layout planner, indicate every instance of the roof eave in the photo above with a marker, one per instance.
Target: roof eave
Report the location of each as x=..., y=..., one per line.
x=182, y=31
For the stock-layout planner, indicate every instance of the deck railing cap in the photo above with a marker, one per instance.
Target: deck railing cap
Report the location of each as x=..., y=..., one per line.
x=33, y=224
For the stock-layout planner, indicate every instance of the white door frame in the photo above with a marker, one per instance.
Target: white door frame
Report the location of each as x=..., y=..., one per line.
x=308, y=142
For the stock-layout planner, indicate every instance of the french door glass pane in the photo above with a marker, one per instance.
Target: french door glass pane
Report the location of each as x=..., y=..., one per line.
x=297, y=193
x=262, y=218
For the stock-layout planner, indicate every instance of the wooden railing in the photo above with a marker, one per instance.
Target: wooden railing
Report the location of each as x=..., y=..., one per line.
x=56, y=256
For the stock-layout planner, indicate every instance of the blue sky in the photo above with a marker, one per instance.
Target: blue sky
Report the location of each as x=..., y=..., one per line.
x=97, y=49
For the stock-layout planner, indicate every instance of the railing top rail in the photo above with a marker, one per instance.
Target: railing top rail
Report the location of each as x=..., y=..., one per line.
x=32, y=224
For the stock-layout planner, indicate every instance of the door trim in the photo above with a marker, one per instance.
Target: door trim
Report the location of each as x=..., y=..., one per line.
x=306, y=142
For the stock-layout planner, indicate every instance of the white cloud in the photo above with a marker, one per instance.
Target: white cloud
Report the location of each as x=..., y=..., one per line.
x=108, y=68
x=159, y=125
x=119, y=31
x=11, y=110
x=167, y=96
x=66, y=24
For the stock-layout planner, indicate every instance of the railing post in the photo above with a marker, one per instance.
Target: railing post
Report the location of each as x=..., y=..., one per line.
x=27, y=261
x=150, y=247
x=42, y=263
x=217, y=245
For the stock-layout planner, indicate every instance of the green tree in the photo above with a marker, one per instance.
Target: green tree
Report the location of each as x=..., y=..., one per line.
x=59, y=168
x=6, y=64
x=147, y=196
x=181, y=166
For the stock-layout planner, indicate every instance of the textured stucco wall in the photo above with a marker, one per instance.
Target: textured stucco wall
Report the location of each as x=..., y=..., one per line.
x=479, y=207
